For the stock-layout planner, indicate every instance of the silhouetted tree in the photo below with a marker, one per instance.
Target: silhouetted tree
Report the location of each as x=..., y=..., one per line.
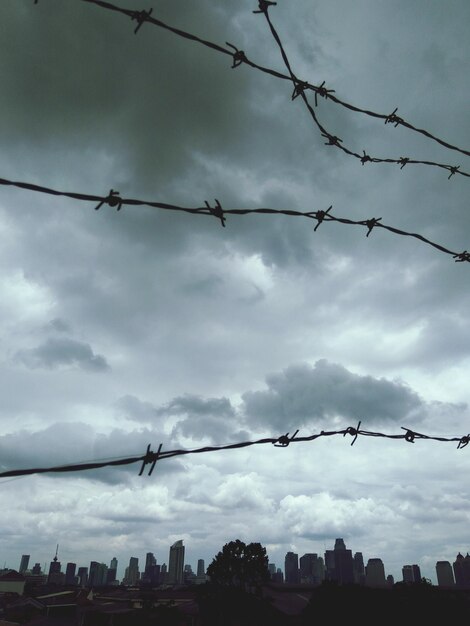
x=239, y=564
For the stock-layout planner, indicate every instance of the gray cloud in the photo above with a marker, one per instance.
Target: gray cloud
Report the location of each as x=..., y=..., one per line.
x=303, y=394
x=56, y=352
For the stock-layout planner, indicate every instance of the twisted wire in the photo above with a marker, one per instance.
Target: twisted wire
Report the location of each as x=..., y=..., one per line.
x=151, y=458
x=300, y=86
x=113, y=199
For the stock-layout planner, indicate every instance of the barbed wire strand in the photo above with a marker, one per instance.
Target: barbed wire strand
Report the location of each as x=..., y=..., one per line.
x=300, y=86
x=151, y=458
x=113, y=199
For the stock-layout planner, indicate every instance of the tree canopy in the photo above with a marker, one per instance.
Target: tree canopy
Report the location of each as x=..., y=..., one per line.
x=238, y=564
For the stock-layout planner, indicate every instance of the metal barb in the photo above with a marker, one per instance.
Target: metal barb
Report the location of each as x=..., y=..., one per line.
x=264, y=5
x=353, y=431
x=320, y=216
x=217, y=211
x=462, y=256
x=371, y=223
x=239, y=56
x=409, y=435
x=284, y=440
x=141, y=17
x=113, y=199
x=150, y=457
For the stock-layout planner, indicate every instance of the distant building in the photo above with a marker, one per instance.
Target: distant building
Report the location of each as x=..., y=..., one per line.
x=375, y=573
x=55, y=575
x=201, y=576
x=461, y=568
x=176, y=564
x=291, y=568
x=411, y=573
x=445, y=575
x=70, y=578
x=312, y=569
x=359, y=569
x=132, y=573
x=24, y=563
x=82, y=576
x=344, y=570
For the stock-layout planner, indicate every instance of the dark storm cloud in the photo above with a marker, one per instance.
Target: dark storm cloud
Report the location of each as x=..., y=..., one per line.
x=57, y=352
x=302, y=394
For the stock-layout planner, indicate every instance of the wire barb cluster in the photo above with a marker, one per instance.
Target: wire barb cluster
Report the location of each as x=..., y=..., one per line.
x=151, y=458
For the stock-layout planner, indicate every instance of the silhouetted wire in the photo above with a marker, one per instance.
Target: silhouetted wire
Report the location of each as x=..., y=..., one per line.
x=283, y=441
x=113, y=199
x=300, y=86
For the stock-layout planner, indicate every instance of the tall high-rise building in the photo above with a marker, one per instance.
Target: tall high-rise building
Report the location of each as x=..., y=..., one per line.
x=36, y=571
x=359, y=570
x=344, y=571
x=445, y=575
x=375, y=573
x=24, y=563
x=70, y=574
x=132, y=574
x=411, y=573
x=82, y=576
x=93, y=574
x=330, y=573
x=55, y=576
x=151, y=575
x=291, y=568
x=201, y=570
x=176, y=563
x=312, y=569
x=461, y=568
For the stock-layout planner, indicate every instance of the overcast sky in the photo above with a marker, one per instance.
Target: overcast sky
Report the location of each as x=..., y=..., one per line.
x=125, y=328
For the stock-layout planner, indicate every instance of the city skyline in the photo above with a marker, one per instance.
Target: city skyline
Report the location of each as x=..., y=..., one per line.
x=201, y=250
x=407, y=572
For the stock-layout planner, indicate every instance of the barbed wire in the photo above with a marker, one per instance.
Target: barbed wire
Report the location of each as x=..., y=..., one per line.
x=301, y=86
x=151, y=458
x=239, y=57
x=114, y=199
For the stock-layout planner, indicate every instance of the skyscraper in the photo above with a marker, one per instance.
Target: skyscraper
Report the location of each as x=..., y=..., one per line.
x=375, y=573
x=176, y=563
x=312, y=569
x=358, y=567
x=201, y=570
x=445, y=575
x=70, y=574
x=82, y=576
x=461, y=568
x=55, y=576
x=291, y=568
x=132, y=574
x=344, y=570
x=24, y=563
